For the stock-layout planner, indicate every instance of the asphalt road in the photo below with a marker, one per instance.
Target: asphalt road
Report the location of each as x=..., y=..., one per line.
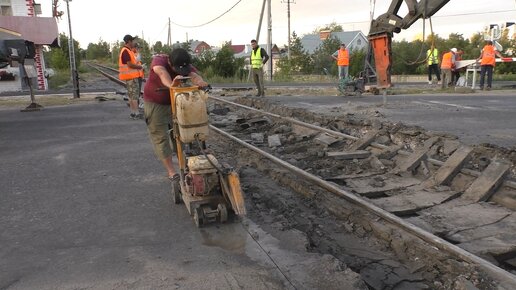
x=480, y=117
x=84, y=204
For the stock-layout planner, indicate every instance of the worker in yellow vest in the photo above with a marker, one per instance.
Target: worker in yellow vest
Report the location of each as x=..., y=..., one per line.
x=129, y=71
x=487, y=63
x=258, y=58
x=432, y=56
x=447, y=64
x=342, y=58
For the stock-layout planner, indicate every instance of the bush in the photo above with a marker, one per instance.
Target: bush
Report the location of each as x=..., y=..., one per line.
x=59, y=79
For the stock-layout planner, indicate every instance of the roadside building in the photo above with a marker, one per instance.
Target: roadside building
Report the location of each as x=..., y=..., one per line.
x=354, y=40
x=20, y=16
x=197, y=47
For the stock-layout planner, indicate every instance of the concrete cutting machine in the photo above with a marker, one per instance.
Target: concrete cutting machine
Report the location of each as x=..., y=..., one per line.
x=210, y=189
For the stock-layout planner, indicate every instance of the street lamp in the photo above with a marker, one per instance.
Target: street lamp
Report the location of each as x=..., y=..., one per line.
x=73, y=68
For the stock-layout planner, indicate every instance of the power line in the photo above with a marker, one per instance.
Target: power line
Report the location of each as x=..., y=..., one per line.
x=195, y=26
x=475, y=13
x=441, y=16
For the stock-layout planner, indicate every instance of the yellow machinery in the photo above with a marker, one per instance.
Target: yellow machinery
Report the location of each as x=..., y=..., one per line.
x=209, y=189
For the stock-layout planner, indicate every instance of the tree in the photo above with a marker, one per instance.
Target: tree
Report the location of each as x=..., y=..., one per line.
x=98, y=51
x=356, y=61
x=300, y=61
x=59, y=57
x=204, y=60
x=407, y=56
x=508, y=45
x=322, y=60
x=225, y=64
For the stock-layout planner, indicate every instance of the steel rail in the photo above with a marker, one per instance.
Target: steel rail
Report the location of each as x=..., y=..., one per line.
x=504, y=277
x=473, y=173
x=470, y=172
x=500, y=274
x=112, y=78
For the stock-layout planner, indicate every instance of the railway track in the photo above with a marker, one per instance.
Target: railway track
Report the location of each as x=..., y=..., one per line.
x=421, y=205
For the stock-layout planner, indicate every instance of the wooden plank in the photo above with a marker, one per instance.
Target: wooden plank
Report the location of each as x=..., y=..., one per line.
x=413, y=160
x=326, y=139
x=486, y=184
x=351, y=176
x=359, y=154
x=363, y=142
x=405, y=204
x=459, y=215
x=504, y=228
x=377, y=186
x=452, y=166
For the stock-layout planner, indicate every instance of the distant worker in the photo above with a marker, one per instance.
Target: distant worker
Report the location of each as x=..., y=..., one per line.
x=433, y=64
x=259, y=57
x=342, y=58
x=138, y=55
x=456, y=71
x=165, y=71
x=447, y=65
x=487, y=63
x=129, y=72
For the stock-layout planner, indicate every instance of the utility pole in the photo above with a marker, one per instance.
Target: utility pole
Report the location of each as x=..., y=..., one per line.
x=269, y=38
x=169, y=39
x=71, y=49
x=288, y=17
x=260, y=22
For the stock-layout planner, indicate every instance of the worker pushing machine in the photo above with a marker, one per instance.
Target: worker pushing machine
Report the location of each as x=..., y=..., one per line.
x=177, y=121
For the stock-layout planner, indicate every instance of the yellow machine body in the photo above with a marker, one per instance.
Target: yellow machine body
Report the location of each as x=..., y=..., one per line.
x=208, y=188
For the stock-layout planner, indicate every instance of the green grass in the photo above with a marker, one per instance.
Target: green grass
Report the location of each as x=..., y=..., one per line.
x=59, y=79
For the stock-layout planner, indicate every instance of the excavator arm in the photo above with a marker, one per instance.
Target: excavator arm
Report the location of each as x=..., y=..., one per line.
x=381, y=32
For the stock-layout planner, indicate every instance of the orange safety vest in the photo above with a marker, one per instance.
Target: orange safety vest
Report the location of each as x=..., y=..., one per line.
x=343, y=57
x=124, y=71
x=488, y=55
x=447, y=60
x=140, y=71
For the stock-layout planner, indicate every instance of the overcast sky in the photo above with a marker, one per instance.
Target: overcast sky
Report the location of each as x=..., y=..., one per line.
x=110, y=20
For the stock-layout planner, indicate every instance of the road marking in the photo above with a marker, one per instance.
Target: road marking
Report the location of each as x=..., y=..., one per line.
x=453, y=105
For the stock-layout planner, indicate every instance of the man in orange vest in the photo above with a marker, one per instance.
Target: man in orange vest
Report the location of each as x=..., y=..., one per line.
x=342, y=58
x=129, y=71
x=487, y=63
x=447, y=65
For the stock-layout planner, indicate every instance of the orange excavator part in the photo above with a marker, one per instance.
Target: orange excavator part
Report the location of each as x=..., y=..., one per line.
x=381, y=45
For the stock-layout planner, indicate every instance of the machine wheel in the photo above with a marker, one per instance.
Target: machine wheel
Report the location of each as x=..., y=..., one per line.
x=176, y=192
x=198, y=217
x=223, y=212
